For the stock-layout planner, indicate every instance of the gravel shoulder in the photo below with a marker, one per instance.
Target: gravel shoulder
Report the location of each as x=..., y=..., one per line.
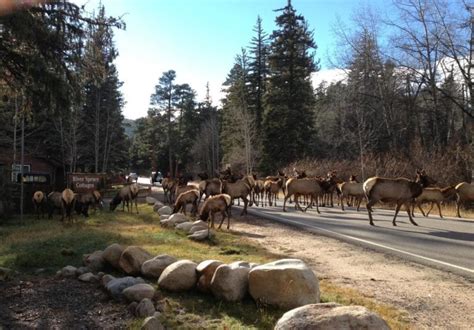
x=430, y=297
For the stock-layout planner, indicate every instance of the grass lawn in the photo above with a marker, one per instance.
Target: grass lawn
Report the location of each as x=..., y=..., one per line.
x=51, y=245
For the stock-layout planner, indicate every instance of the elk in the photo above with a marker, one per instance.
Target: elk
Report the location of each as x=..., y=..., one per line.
x=39, y=202
x=435, y=196
x=216, y=204
x=352, y=188
x=54, y=202
x=210, y=187
x=258, y=190
x=306, y=186
x=240, y=189
x=400, y=191
x=464, y=193
x=185, y=198
x=168, y=185
x=68, y=199
x=127, y=195
x=271, y=189
x=86, y=200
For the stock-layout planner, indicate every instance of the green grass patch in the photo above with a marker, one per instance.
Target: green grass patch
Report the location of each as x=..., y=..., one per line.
x=52, y=245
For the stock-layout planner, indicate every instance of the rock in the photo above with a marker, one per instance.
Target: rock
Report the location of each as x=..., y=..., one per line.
x=176, y=218
x=132, y=259
x=200, y=223
x=112, y=254
x=68, y=271
x=94, y=261
x=205, y=272
x=179, y=276
x=82, y=270
x=165, y=223
x=150, y=200
x=157, y=206
x=331, y=316
x=88, y=277
x=106, y=279
x=185, y=226
x=132, y=307
x=116, y=286
x=7, y=274
x=165, y=210
x=164, y=217
x=100, y=275
x=196, y=228
x=145, y=308
x=39, y=271
x=230, y=282
x=152, y=323
x=138, y=292
x=286, y=283
x=201, y=235
x=154, y=267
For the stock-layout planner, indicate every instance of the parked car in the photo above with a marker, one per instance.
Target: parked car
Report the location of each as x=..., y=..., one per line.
x=156, y=177
x=132, y=177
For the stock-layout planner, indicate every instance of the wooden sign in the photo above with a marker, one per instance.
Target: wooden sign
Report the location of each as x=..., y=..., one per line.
x=85, y=182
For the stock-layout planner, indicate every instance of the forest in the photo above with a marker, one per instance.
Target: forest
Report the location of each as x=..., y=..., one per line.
x=405, y=101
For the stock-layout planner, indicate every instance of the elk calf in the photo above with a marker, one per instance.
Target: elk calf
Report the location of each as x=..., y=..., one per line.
x=39, y=201
x=127, y=195
x=464, y=193
x=216, y=204
x=185, y=198
x=68, y=199
x=435, y=196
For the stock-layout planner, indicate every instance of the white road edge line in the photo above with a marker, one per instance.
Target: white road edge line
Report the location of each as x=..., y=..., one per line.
x=378, y=245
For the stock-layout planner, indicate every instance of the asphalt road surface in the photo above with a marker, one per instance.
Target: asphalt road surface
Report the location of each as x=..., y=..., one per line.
x=447, y=244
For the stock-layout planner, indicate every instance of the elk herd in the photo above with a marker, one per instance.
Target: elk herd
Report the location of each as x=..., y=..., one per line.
x=313, y=192
x=221, y=191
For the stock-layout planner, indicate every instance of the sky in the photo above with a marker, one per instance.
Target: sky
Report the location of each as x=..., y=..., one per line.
x=199, y=39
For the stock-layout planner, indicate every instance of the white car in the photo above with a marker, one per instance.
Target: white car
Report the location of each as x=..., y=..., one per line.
x=156, y=177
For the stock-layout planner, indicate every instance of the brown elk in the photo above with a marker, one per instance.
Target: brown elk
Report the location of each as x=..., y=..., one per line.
x=86, y=200
x=68, y=202
x=435, y=196
x=401, y=191
x=353, y=189
x=126, y=195
x=300, y=187
x=464, y=193
x=168, y=185
x=185, y=198
x=272, y=188
x=258, y=192
x=240, y=189
x=216, y=204
x=210, y=187
x=39, y=202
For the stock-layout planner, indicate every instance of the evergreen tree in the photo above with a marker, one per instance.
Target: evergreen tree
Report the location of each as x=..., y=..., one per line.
x=288, y=120
x=258, y=72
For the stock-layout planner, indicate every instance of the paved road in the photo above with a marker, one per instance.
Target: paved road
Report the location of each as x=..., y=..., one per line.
x=446, y=244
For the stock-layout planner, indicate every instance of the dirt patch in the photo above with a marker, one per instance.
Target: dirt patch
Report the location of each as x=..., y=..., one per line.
x=431, y=298
x=51, y=303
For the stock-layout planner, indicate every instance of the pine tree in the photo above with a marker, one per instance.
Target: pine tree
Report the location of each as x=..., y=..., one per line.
x=288, y=120
x=258, y=72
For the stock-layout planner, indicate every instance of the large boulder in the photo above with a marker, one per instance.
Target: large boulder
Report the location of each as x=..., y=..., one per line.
x=112, y=254
x=115, y=286
x=205, y=271
x=196, y=228
x=154, y=267
x=94, y=261
x=285, y=283
x=331, y=316
x=88, y=277
x=68, y=271
x=230, y=282
x=184, y=226
x=177, y=218
x=139, y=291
x=150, y=200
x=179, y=276
x=165, y=210
x=132, y=259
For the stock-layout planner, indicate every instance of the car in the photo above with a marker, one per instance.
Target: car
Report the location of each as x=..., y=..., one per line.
x=132, y=177
x=156, y=177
